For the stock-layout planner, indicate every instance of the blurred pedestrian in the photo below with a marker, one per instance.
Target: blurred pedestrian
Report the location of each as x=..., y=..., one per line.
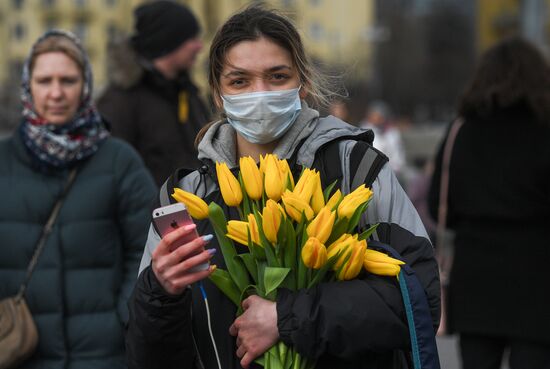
x=387, y=138
x=499, y=207
x=151, y=101
x=77, y=293
x=260, y=77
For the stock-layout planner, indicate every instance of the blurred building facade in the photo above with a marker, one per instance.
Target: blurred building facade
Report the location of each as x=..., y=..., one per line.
x=336, y=32
x=404, y=51
x=497, y=19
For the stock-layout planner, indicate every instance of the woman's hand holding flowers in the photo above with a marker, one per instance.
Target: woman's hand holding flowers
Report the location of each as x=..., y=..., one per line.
x=256, y=329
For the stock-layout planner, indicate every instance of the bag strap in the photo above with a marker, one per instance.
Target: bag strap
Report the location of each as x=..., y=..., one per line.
x=365, y=161
x=444, y=183
x=46, y=230
x=417, y=309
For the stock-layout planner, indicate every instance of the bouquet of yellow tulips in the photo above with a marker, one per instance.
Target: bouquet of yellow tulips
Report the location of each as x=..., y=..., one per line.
x=297, y=233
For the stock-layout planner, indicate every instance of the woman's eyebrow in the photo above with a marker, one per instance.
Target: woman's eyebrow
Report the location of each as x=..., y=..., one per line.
x=242, y=72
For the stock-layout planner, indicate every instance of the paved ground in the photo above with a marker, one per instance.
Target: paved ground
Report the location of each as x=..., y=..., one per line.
x=448, y=352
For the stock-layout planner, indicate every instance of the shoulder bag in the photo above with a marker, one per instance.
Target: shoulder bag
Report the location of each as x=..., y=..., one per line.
x=18, y=333
x=444, y=237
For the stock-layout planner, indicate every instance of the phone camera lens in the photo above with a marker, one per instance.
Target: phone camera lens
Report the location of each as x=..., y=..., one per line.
x=157, y=214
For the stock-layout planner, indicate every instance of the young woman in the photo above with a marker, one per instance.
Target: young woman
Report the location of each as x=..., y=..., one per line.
x=260, y=77
x=499, y=207
x=78, y=291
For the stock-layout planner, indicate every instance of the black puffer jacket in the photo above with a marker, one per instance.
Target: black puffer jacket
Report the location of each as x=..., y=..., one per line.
x=78, y=292
x=143, y=108
x=354, y=324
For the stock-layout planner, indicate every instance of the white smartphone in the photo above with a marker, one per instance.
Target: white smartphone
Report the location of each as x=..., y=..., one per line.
x=171, y=217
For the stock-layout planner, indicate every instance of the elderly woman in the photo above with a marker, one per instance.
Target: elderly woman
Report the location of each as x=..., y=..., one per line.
x=77, y=293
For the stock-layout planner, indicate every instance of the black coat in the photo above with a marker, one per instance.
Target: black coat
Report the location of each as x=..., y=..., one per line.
x=352, y=324
x=499, y=206
x=144, y=111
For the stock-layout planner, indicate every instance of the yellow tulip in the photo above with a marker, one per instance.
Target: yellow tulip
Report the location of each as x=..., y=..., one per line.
x=286, y=174
x=321, y=226
x=274, y=184
x=340, y=246
x=262, y=164
x=379, y=263
x=318, y=198
x=254, y=232
x=229, y=185
x=196, y=206
x=295, y=206
x=355, y=262
x=380, y=257
x=305, y=185
x=387, y=269
x=353, y=200
x=238, y=231
x=271, y=220
x=334, y=199
x=314, y=253
x=251, y=177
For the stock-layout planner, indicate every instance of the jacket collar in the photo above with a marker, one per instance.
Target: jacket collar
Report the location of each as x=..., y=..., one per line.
x=307, y=135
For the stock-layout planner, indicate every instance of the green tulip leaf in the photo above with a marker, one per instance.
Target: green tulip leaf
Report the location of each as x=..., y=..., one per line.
x=339, y=228
x=328, y=191
x=235, y=267
x=267, y=246
x=246, y=199
x=366, y=234
x=223, y=281
x=250, y=263
x=357, y=216
x=320, y=274
x=273, y=277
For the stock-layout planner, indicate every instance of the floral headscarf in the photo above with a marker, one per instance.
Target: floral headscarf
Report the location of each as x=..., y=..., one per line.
x=54, y=145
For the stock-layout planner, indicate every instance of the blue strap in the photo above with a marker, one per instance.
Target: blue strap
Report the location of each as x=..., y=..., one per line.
x=419, y=320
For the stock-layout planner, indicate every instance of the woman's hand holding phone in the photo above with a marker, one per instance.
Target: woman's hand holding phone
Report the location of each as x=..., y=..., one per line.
x=180, y=258
x=176, y=266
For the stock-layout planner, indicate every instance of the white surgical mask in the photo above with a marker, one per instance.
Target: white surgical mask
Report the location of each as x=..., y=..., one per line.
x=262, y=117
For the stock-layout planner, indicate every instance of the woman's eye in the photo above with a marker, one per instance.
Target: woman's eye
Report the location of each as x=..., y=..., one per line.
x=237, y=82
x=42, y=81
x=70, y=81
x=279, y=77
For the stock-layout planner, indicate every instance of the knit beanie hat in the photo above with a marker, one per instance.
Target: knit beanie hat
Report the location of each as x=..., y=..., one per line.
x=161, y=27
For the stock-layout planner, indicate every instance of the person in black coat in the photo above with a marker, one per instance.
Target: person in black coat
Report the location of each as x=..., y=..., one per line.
x=499, y=208
x=151, y=101
x=260, y=77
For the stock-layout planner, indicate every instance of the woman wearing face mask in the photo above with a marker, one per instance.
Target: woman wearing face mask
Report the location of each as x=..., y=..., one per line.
x=260, y=76
x=78, y=290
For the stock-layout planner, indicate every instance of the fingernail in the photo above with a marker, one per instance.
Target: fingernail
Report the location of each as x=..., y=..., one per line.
x=190, y=227
x=212, y=251
x=207, y=238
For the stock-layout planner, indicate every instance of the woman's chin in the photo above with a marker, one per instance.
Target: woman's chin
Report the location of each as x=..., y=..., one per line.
x=57, y=119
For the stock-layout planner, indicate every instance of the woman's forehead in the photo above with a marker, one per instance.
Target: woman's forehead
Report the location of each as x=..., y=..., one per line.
x=261, y=55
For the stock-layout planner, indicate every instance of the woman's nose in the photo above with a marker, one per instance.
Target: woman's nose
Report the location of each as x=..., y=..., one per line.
x=260, y=84
x=56, y=90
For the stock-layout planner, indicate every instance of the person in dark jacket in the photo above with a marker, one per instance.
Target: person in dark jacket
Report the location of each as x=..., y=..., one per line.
x=257, y=58
x=78, y=291
x=499, y=208
x=151, y=101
